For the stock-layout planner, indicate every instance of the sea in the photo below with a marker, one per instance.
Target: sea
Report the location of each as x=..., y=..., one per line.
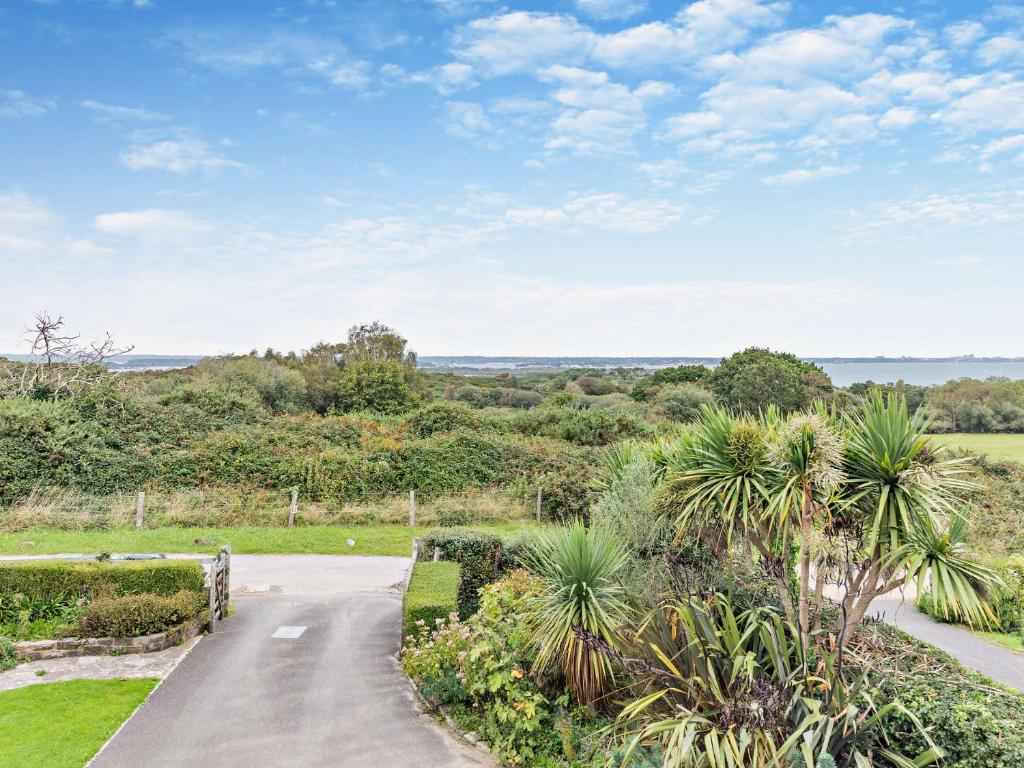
x=843, y=370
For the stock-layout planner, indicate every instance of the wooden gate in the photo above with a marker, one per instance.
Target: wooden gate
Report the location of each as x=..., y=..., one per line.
x=219, y=585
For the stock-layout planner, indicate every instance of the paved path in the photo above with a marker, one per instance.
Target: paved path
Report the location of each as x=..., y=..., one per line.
x=332, y=697
x=1001, y=664
x=158, y=665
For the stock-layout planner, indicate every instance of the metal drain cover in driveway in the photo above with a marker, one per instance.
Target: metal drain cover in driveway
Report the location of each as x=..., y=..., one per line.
x=288, y=633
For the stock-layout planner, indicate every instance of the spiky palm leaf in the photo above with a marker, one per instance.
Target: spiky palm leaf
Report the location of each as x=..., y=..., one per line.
x=579, y=569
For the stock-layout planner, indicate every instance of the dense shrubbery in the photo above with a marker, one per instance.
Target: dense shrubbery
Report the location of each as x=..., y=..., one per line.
x=135, y=615
x=969, y=405
x=976, y=724
x=481, y=668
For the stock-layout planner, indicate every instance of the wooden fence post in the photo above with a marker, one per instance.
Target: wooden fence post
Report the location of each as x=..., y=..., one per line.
x=294, y=507
x=213, y=595
x=225, y=553
x=412, y=509
x=540, y=493
x=140, y=505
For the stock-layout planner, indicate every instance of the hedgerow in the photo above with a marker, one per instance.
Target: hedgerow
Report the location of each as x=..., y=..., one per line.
x=47, y=579
x=433, y=594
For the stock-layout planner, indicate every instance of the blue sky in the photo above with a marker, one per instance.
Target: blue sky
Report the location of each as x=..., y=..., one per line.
x=574, y=177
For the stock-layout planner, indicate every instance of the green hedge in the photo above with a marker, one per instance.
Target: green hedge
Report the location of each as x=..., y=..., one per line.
x=138, y=615
x=433, y=594
x=48, y=579
x=478, y=554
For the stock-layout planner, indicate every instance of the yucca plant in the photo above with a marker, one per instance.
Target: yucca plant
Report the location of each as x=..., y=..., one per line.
x=580, y=597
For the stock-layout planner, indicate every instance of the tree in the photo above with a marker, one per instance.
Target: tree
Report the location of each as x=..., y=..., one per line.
x=375, y=385
x=865, y=499
x=60, y=364
x=377, y=342
x=756, y=378
x=648, y=386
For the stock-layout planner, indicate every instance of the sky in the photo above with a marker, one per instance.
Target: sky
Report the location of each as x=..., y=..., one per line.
x=571, y=177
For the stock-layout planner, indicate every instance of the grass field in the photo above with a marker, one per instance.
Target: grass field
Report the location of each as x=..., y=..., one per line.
x=62, y=725
x=1001, y=446
x=324, y=540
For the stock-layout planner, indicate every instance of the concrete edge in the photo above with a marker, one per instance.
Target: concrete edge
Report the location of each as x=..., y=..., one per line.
x=143, y=702
x=450, y=727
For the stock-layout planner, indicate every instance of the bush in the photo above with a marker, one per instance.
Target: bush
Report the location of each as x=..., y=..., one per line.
x=478, y=554
x=49, y=579
x=8, y=656
x=433, y=594
x=485, y=663
x=441, y=417
x=683, y=402
x=371, y=385
x=138, y=615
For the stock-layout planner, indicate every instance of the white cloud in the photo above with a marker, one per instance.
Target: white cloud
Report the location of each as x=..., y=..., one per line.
x=180, y=156
x=963, y=34
x=953, y=210
x=154, y=225
x=898, y=117
x=842, y=46
x=117, y=114
x=16, y=105
x=522, y=41
x=610, y=212
x=1001, y=49
x=804, y=175
x=468, y=120
x=611, y=9
x=26, y=223
x=235, y=52
x=1008, y=144
x=965, y=264
x=997, y=105
x=700, y=28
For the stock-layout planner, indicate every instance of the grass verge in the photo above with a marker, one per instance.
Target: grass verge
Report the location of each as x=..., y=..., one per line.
x=323, y=540
x=62, y=725
x=998, y=446
x=1013, y=642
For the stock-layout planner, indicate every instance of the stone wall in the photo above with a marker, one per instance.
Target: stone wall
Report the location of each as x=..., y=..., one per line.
x=38, y=650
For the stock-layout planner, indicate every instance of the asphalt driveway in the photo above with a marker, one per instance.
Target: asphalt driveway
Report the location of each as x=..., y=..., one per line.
x=302, y=674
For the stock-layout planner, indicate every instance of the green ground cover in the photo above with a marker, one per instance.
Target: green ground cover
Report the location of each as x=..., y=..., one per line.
x=62, y=725
x=325, y=540
x=998, y=446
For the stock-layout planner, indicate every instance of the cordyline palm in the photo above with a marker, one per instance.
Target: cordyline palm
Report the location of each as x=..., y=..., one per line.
x=720, y=477
x=898, y=491
x=580, y=597
x=808, y=453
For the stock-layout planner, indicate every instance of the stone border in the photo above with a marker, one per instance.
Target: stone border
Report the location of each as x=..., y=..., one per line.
x=429, y=707
x=42, y=650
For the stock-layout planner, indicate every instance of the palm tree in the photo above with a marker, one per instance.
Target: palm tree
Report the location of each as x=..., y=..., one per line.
x=900, y=497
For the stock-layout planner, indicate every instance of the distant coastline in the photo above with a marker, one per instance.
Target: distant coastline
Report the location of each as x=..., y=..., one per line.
x=843, y=370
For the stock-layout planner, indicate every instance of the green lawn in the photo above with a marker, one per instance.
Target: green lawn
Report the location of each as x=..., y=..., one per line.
x=62, y=725
x=1002, y=446
x=1013, y=642
x=327, y=540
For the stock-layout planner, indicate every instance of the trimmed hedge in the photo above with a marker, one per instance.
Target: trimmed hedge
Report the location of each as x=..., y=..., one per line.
x=48, y=579
x=138, y=615
x=478, y=554
x=433, y=594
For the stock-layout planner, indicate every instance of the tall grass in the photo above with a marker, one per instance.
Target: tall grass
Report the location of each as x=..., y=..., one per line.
x=214, y=507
